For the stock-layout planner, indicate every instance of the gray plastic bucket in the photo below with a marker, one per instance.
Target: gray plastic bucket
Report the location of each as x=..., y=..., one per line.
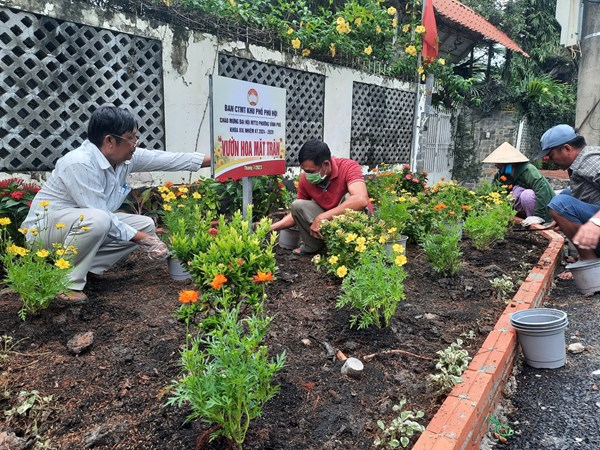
x=587, y=275
x=541, y=333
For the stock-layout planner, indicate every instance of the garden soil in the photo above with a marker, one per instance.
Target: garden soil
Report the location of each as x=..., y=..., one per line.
x=113, y=395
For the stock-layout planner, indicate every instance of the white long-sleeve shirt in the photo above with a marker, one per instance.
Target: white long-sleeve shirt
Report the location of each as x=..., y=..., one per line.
x=84, y=178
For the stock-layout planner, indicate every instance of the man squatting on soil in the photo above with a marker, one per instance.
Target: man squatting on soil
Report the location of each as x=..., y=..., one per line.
x=575, y=210
x=327, y=187
x=85, y=189
x=530, y=190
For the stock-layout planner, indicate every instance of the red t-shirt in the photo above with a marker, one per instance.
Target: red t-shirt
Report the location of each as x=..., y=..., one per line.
x=344, y=172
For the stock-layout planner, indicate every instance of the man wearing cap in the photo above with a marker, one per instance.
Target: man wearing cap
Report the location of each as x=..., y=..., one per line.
x=576, y=210
x=530, y=189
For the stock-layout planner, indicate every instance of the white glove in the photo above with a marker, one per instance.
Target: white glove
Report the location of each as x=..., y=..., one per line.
x=532, y=220
x=156, y=248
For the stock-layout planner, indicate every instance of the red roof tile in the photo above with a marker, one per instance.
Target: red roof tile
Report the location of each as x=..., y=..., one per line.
x=457, y=12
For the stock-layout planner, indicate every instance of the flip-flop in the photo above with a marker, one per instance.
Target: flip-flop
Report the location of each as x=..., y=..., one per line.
x=72, y=298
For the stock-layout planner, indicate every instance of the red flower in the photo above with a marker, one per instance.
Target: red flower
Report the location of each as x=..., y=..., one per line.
x=17, y=194
x=262, y=277
x=503, y=178
x=188, y=296
x=213, y=231
x=408, y=177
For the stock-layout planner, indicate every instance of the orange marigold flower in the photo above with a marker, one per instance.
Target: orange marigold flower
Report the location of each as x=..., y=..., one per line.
x=169, y=184
x=510, y=186
x=466, y=207
x=218, y=281
x=262, y=277
x=188, y=296
x=440, y=206
x=502, y=178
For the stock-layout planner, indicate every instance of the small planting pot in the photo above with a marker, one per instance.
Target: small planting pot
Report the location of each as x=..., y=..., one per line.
x=389, y=246
x=353, y=367
x=177, y=270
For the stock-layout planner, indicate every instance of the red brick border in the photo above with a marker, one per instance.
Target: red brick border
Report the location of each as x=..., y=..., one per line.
x=462, y=420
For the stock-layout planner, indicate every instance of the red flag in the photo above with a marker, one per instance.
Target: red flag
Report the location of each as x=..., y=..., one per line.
x=430, y=38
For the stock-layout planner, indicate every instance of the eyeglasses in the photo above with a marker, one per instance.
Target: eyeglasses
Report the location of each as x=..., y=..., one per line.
x=131, y=141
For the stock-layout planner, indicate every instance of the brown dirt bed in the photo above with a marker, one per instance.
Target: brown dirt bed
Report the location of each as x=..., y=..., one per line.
x=111, y=396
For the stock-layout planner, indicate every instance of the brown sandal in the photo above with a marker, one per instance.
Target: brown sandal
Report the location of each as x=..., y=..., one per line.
x=72, y=298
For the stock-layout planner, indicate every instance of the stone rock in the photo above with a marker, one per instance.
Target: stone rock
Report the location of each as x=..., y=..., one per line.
x=9, y=441
x=575, y=348
x=81, y=342
x=596, y=373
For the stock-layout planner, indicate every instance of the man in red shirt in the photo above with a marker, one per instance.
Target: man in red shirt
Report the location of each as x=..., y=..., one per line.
x=327, y=187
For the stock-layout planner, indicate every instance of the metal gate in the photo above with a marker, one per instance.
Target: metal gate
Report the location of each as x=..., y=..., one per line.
x=436, y=146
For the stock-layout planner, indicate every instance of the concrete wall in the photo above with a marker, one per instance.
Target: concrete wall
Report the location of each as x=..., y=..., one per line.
x=490, y=133
x=189, y=57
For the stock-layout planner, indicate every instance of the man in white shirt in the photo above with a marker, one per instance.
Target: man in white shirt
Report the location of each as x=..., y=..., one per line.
x=85, y=189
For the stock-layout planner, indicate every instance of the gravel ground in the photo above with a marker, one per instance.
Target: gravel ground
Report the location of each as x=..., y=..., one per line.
x=560, y=408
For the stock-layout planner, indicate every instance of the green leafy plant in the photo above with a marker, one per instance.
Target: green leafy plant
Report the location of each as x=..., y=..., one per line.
x=503, y=286
x=442, y=249
x=31, y=416
x=228, y=376
x=347, y=236
x=144, y=201
x=490, y=222
x=35, y=273
x=385, y=181
x=237, y=253
x=15, y=199
x=400, y=430
x=364, y=290
x=453, y=361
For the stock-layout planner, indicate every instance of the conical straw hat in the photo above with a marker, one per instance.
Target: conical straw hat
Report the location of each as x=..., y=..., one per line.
x=505, y=154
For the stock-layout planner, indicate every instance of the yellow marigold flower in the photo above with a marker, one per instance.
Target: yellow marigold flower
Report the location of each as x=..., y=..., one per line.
x=81, y=217
x=183, y=196
x=398, y=248
x=392, y=230
x=290, y=31
x=183, y=189
x=358, y=21
x=420, y=70
x=377, y=29
x=23, y=230
x=62, y=264
x=341, y=271
x=33, y=231
x=332, y=51
x=180, y=205
x=340, y=20
x=406, y=28
x=394, y=23
x=296, y=43
x=369, y=50
x=4, y=221
x=391, y=11
x=305, y=52
x=343, y=28
x=316, y=259
x=360, y=248
x=44, y=203
x=382, y=240
x=42, y=253
x=401, y=199
x=420, y=29
x=400, y=260
x=16, y=250
x=60, y=226
x=196, y=195
x=442, y=62
x=411, y=50
x=350, y=237
x=84, y=228
x=333, y=260
x=60, y=252
x=167, y=207
x=361, y=240
x=72, y=249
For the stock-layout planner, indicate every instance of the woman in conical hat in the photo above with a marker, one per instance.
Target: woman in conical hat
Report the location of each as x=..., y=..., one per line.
x=530, y=189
